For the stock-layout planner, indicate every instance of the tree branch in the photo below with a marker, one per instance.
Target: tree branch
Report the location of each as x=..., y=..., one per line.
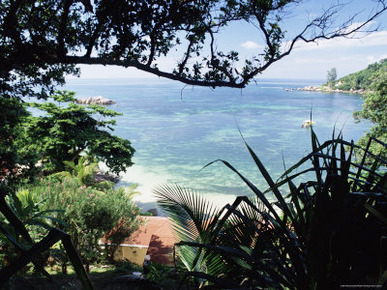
x=143, y=67
x=61, y=50
x=121, y=36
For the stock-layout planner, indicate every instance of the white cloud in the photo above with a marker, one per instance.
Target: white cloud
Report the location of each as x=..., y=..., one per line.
x=373, y=59
x=250, y=45
x=314, y=63
x=378, y=38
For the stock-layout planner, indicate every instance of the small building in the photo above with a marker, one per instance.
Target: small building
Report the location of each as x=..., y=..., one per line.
x=154, y=237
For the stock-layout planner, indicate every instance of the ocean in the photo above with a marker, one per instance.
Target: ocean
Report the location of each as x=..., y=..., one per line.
x=177, y=130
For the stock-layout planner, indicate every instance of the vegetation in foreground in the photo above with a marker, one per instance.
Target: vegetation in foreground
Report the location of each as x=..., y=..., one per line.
x=306, y=238
x=42, y=41
x=303, y=232
x=68, y=201
x=375, y=110
x=327, y=231
x=117, y=276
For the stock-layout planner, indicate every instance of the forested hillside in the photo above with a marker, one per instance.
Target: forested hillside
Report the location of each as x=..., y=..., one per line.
x=361, y=79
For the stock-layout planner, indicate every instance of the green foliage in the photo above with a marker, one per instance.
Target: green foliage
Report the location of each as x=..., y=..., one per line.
x=22, y=215
x=375, y=110
x=190, y=214
x=11, y=109
x=331, y=76
x=375, y=102
x=323, y=233
x=64, y=130
x=84, y=172
x=28, y=80
x=89, y=213
x=42, y=40
x=362, y=79
x=163, y=277
x=29, y=209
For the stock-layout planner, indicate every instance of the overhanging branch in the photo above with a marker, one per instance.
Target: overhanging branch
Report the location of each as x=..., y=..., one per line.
x=121, y=37
x=152, y=70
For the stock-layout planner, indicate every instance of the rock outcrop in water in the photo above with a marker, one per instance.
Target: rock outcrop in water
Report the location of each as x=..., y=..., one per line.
x=323, y=89
x=97, y=100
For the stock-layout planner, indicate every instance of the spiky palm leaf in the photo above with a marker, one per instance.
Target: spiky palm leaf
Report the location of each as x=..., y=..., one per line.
x=84, y=172
x=308, y=236
x=193, y=219
x=27, y=206
x=30, y=251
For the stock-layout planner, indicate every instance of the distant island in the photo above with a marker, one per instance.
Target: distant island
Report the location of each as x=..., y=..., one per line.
x=355, y=83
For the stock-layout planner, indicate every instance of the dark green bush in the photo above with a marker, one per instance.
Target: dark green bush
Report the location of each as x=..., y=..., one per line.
x=89, y=213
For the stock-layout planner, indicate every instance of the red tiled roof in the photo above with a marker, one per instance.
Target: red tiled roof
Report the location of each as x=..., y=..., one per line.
x=156, y=232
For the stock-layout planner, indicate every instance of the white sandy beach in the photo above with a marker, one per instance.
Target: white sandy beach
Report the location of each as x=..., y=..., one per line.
x=147, y=180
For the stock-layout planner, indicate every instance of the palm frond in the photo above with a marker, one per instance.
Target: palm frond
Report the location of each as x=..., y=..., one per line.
x=306, y=238
x=193, y=218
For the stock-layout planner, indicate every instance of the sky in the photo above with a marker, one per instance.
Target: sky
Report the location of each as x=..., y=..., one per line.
x=306, y=61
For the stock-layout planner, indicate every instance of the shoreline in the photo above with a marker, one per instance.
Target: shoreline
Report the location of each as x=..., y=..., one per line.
x=146, y=181
x=322, y=89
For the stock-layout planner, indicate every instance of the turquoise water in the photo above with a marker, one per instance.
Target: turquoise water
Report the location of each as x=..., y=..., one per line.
x=176, y=129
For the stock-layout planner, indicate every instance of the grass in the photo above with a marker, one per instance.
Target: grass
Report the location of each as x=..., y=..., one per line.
x=100, y=276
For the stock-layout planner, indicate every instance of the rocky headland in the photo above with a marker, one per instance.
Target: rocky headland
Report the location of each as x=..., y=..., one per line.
x=324, y=89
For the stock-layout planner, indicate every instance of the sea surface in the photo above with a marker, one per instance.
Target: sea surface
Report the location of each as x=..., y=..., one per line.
x=177, y=130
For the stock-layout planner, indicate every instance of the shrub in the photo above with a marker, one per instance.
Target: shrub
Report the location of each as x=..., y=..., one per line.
x=89, y=213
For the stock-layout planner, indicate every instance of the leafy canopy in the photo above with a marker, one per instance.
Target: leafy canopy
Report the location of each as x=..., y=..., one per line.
x=42, y=40
x=89, y=213
x=64, y=130
x=375, y=110
x=362, y=79
x=331, y=75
